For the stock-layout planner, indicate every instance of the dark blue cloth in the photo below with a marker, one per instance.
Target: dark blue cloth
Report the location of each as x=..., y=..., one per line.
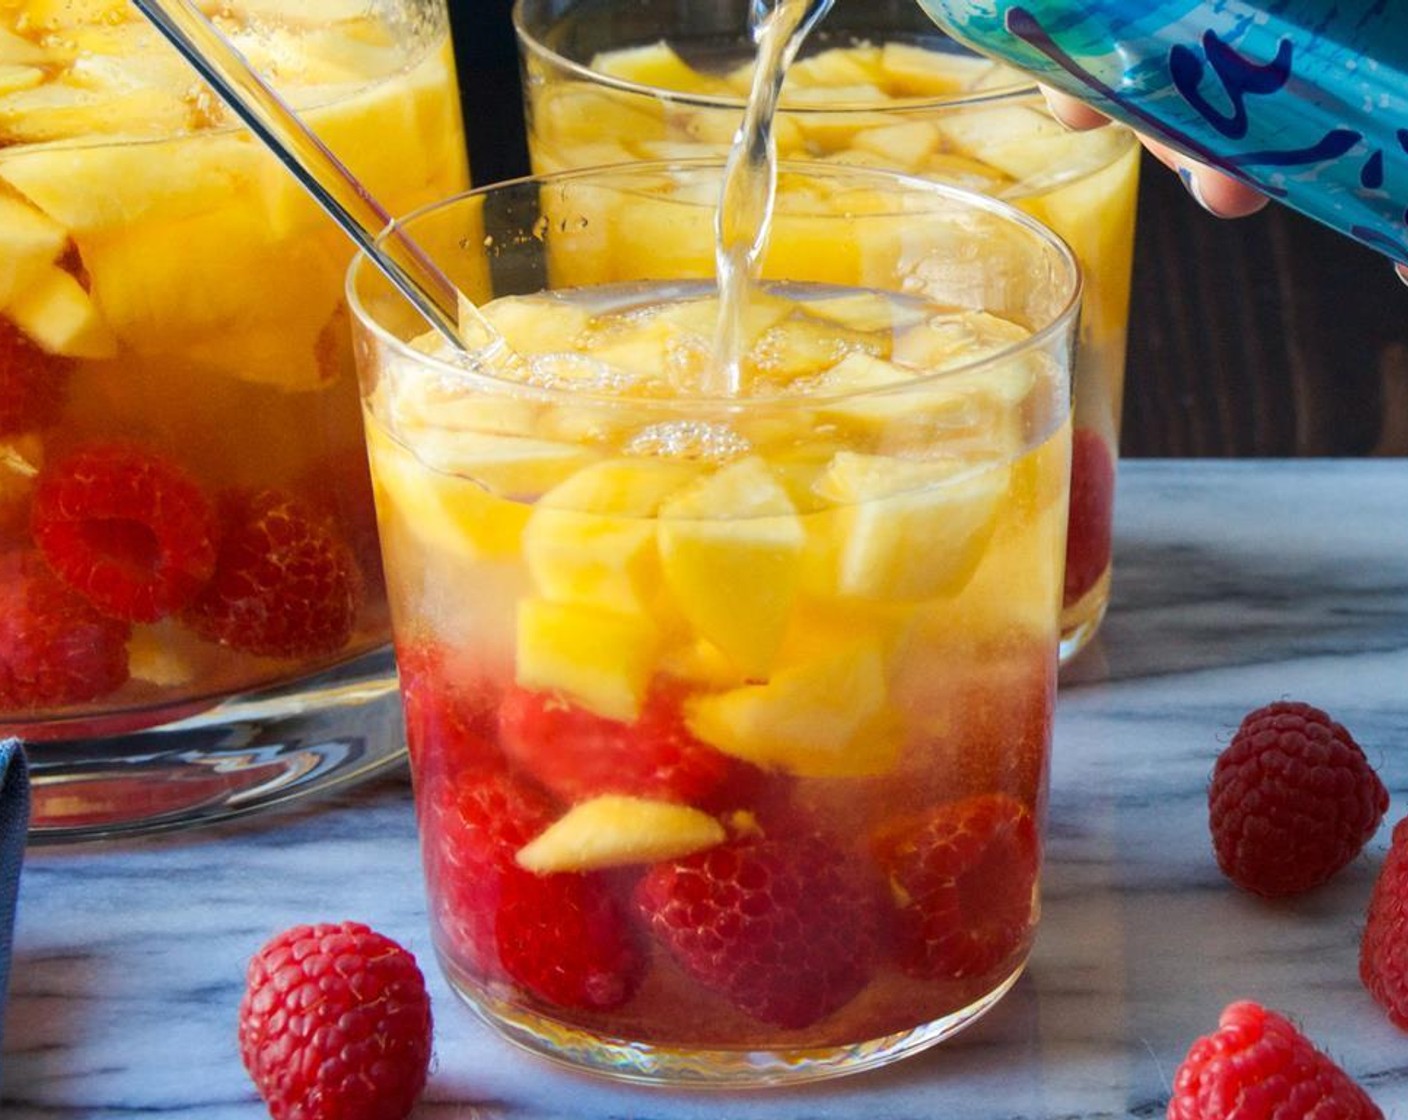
x=14, y=823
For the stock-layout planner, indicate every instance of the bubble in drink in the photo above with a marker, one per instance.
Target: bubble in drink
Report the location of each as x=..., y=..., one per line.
x=689, y=439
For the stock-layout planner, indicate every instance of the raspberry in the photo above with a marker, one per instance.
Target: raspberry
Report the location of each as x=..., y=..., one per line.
x=779, y=926
x=577, y=755
x=562, y=937
x=1383, y=951
x=55, y=648
x=962, y=876
x=1257, y=1065
x=285, y=584
x=127, y=529
x=32, y=382
x=1089, y=533
x=1292, y=800
x=451, y=711
x=335, y=1025
x=340, y=487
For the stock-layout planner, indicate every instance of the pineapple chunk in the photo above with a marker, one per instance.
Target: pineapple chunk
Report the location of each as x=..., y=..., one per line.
x=55, y=111
x=446, y=513
x=592, y=541
x=21, y=460
x=851, y=391
x=616, y=831
x=655, y=65
x=573, y=113
x=1018, y=140
x=731, y=548
x=16, y=50
x=29, y=242
x=155, y=657
x=911, y=71
x=510, y=466
x=906, y=530
x=157, y=179
x=834, y=69
x=406, y=111
x=55, y=311
x=867, y=312
x=822, y=718
x=905, y=146
x=541, y=324
x=14, y=77
x=156, y=289
x=602, y=660
x=74, y=13
x=806, y=345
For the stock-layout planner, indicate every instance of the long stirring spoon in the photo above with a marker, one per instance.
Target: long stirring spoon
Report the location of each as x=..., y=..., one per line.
x=322, y=174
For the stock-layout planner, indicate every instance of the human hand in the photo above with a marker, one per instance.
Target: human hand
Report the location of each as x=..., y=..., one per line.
x=1215, y=192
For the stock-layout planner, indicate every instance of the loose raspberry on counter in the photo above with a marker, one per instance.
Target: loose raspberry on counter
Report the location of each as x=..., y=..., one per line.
x=1383, y=950
x=1257, y=1065
x=335, y=1024
x=1292, y=800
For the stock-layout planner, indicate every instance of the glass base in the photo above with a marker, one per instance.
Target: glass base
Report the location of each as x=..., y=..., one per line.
x=1080, y=621
x=244, y=754
x=640, y=1063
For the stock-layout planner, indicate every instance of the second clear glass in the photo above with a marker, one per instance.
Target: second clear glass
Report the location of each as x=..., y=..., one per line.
x=729, y=711
x=877, y=84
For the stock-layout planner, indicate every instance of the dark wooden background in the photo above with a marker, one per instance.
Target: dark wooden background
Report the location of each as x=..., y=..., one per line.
x=1267, y=336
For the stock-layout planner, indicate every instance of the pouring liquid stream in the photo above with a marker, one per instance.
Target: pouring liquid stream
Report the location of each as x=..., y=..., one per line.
x=750, y=179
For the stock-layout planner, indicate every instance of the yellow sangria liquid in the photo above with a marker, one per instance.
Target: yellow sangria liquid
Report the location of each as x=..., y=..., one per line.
x=185, y=510
x=875, y=92
x=728, y=720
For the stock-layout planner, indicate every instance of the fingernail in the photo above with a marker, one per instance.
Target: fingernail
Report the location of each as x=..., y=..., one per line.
x=1402, y=270
x=1190, y=184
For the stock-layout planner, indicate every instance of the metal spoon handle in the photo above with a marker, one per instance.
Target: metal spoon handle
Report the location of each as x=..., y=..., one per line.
x=314, y=165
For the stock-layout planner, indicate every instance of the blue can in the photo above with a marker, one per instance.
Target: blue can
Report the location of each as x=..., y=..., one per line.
x=1307, y=100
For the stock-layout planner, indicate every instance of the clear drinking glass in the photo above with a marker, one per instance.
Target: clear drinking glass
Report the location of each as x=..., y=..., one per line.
x=728, y=702
x=193, y=621
x=877, y=84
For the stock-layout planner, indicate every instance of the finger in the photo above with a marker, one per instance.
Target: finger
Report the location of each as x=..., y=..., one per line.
x=1402, y=270
x=1218, y=194
x=1072, y=113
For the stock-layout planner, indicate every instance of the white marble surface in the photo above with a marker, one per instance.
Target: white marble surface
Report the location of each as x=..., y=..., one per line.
x=1237, y=583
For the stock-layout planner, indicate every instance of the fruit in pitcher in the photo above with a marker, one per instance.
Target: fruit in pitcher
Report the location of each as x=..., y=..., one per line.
x=561, y=936
x=127, y=529
x=962, y=877
x=32, y=383
x=730, y=551
x=577, y=754
x=780, y=926
x=601, y=660
x=616, y=831
x=284, y=583
x=1089, y=535
x=55, y=647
